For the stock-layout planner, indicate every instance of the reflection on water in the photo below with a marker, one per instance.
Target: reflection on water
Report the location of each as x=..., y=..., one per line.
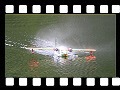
x=63, y=67
x=33, y=64
x=75, y=67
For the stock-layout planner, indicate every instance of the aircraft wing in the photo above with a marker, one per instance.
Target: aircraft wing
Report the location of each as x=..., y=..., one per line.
x=30, y=48
x=84, y=50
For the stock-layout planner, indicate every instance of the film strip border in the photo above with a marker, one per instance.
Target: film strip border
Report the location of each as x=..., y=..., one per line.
x=62, y=9
x=62, y=82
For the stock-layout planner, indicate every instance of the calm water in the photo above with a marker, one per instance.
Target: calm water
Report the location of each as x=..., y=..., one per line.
x=75, y=31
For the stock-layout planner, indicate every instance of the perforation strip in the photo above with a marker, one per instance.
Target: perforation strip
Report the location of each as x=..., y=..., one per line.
x=65, y=9
x=63, y=82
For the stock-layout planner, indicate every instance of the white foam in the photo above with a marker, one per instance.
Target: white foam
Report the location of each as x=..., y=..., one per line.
x=8, y=44
x=23, y=47
x=11, y=43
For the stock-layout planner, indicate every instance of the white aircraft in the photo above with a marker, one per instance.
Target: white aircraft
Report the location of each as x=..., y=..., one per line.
x=63, y=51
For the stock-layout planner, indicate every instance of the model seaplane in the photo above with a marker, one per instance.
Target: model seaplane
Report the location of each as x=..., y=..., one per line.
x=64, y=52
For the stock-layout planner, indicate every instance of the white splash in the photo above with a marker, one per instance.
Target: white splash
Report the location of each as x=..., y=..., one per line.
x=8, y=44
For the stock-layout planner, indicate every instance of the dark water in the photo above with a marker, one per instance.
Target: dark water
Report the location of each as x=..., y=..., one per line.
x=75, y=31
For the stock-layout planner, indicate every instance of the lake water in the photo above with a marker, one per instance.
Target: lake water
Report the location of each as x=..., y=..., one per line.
x=74, y=31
